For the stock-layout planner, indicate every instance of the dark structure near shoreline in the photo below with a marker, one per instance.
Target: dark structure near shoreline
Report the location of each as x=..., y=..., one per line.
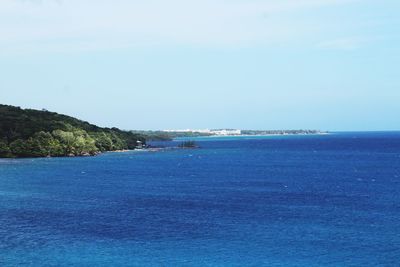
x=188, y=144
x=34, y=133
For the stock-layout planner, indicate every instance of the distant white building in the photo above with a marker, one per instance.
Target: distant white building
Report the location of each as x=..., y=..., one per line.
x=139, y=144
x=190, y=131
x=226, y=132
x=220, y=132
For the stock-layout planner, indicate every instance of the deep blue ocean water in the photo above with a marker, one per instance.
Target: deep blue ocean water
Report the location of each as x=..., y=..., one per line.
x=330, y=200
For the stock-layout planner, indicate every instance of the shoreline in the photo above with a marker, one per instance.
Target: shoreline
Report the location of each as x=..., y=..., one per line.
x=157, y=149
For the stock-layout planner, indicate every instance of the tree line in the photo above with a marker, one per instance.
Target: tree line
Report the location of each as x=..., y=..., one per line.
x=33, y=133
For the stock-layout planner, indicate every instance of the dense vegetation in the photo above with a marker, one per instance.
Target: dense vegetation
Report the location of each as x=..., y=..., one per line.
x=34, y=133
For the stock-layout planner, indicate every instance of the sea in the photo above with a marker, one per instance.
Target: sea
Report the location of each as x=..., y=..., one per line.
x=301, y=200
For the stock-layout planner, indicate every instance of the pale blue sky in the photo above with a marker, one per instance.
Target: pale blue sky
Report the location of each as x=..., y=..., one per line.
x=250, y=64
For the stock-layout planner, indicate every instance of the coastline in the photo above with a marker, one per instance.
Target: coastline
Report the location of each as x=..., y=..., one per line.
x=86, y=155
x=157, y=149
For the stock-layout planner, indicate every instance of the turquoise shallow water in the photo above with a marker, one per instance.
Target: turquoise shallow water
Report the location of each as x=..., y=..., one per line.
x=284, y=201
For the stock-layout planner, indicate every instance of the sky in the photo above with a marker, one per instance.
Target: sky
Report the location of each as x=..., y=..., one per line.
x=177, y=64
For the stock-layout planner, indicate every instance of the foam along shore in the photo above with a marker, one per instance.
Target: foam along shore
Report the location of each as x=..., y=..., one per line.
x=149, y=149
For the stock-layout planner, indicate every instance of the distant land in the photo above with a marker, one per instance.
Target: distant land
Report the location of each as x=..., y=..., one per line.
x=41, y=133
x=164, y=135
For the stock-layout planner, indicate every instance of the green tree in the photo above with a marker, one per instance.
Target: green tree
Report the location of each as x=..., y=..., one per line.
x=118, y=143
x=4, y=149
x=66, y=140
x=42, y=144
x=19, y=148
x=103, y=142
x=84, y=143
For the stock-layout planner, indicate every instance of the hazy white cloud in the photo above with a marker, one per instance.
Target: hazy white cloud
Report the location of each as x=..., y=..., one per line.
x=94, y=24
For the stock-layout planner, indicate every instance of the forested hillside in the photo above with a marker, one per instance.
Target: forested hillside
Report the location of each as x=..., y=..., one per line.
x=34, y=133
